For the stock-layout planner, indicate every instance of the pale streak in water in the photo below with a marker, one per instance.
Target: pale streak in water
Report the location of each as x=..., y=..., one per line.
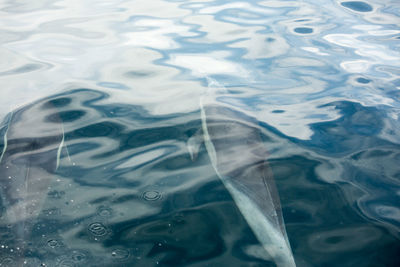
x=271, y=234
x=5, y=138
x=60, y=147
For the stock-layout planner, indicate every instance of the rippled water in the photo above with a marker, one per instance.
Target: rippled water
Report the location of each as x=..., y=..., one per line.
x=100, y=100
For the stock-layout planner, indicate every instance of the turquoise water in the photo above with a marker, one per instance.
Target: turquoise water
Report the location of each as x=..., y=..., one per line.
x=101, y=101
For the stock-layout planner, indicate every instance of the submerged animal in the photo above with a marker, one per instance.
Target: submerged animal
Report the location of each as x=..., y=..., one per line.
x=238, y=156
x=33, y=137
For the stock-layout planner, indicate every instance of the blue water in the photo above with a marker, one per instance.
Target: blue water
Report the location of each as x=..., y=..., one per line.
x=100, y=99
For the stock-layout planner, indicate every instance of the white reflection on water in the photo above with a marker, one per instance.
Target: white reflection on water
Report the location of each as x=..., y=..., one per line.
x=128, y=43
x=155, y=33
x=203, y=66
x=260, y=46
x=364, y=49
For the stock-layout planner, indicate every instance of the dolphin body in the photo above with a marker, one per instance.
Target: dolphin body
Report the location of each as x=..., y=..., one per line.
x=33, y=138
x=238, y=156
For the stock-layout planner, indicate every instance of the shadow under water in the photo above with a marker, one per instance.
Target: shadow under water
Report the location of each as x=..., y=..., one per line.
x=84, y=183
x=103, y=185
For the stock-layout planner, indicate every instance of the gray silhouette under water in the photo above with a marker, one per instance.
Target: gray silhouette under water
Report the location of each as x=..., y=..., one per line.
x=238, y=155
x=33, y=138
x=33, y=141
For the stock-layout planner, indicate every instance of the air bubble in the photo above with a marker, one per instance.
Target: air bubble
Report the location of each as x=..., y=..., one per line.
x=97, y=229
x=7, y=236
x=53, y=243
x=151, y=195
x=79, y=256
x=52, y=212
x=7, y=261
x=120, y=254
x=66, y=263
x=104, y=212
x=32, y=262
x=179, y=218
x=56, y=194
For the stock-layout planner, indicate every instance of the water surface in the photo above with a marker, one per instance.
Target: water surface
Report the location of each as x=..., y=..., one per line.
x=120, y=83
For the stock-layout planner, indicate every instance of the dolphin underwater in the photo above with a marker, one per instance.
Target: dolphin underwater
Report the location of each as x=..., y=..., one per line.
x=32, y=141
x=238, y=156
